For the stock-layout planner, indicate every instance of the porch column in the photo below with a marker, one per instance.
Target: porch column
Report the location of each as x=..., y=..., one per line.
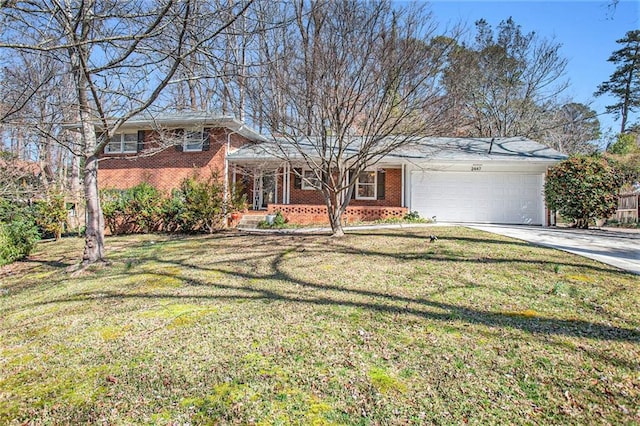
x=284, y=184
x=256, y=189
x=275, y=183
x=545, y=218
x=288, y=186
x=402, y=188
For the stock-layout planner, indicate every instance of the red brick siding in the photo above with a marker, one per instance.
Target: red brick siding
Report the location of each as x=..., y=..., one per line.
x=166, y=169
x=305, y=196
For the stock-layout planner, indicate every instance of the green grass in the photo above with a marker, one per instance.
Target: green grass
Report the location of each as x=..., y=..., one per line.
x=380, y=327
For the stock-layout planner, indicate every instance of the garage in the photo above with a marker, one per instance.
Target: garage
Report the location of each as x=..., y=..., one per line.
x=510, y=198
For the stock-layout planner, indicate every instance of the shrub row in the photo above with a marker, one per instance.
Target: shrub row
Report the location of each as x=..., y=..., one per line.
x=196, y=206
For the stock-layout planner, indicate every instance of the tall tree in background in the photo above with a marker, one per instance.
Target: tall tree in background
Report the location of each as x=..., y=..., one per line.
x=572, y=129
x=503, y=83
x=120, y=56
x=625, y=153
x=624, y=83
x=218, y=75
x=32, y=124
x=344, y=78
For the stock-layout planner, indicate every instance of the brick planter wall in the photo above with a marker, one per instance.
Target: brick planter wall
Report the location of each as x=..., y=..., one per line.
x=305, y=214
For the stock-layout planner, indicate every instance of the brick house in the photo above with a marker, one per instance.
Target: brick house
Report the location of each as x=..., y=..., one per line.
x=453, y=179
x=287, y=186
x=490, y=180
x=165, y=150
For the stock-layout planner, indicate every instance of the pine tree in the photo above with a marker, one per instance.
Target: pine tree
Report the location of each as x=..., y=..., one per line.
x=624, y=83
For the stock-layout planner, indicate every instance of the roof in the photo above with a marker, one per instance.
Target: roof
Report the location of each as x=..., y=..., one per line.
x=432, y=149
x=30, y=167
x=188, y=119
x=475, y=149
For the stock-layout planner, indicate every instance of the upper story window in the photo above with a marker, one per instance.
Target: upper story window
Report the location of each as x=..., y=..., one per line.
x=193, y=141
x=366, y=185
x=122, y=143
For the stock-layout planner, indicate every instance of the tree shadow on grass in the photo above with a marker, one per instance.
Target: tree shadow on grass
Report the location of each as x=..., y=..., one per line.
x=30, y=266
x=451, y=256
x=264, y=264
x=336, y=295
x=434, y=231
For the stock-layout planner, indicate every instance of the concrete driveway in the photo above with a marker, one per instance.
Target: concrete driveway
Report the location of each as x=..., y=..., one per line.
x=617, y=248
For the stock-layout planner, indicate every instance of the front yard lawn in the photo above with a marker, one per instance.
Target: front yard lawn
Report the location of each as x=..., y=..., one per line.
x=380, y=327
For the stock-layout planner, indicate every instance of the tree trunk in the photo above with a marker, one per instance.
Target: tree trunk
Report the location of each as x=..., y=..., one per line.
x=94, y=234
x=335, y=208
x=582, y=223
x=74, y=179
x=193, y=98
x=627, y=99
x=94, y=226
x=335, y=218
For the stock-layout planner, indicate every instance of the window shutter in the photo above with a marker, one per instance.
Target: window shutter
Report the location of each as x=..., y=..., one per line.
x=140, y=140
x=206, y=139
x=380, y=183
x=355, y=185
x=297, y=179
x=178, y=134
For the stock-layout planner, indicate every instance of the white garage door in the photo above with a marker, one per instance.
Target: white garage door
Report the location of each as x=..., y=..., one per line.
x=478, y=197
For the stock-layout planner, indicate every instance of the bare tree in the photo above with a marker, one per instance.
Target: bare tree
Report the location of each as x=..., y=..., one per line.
x=350, y=82
x=30, y=121
x=502, y=85
x=572, y=129
x=220, y=73
x=121, y=56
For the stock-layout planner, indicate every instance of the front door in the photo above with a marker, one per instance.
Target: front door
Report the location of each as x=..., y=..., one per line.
x=266, y=191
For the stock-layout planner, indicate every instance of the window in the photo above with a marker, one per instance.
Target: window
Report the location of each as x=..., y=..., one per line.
x=193, y=141
x=122, y=143
x=309, y=180
x=366, y=185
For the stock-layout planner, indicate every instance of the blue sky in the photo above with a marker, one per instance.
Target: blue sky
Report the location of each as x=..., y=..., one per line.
x=587, y=30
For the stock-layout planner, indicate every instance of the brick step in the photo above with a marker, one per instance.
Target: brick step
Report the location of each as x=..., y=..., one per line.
x=250, y=221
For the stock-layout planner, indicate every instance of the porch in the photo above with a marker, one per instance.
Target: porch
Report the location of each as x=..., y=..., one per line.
x=378, y=195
